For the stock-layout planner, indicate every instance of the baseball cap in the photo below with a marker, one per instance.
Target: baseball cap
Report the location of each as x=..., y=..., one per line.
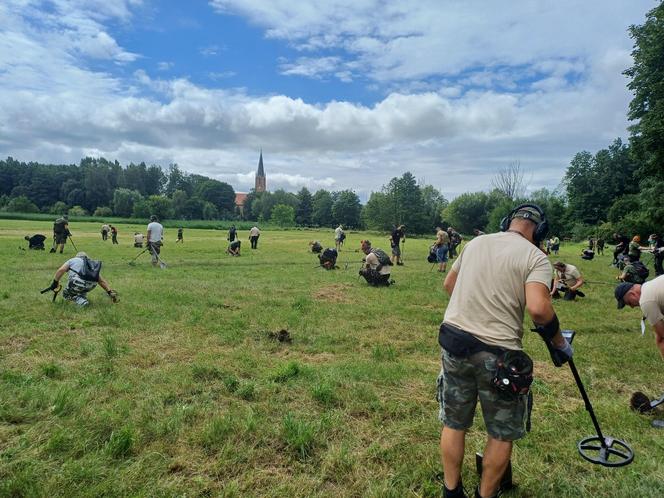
x=529, y=213
x=621, y=290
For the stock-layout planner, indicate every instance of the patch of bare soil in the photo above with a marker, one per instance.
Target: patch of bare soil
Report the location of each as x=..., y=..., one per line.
x=335, y=293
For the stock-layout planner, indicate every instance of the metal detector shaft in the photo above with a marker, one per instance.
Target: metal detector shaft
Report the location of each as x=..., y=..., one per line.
x=72, y=243
x=586, y=401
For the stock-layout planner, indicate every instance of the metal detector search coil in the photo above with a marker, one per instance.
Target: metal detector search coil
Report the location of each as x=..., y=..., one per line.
x=599, y=449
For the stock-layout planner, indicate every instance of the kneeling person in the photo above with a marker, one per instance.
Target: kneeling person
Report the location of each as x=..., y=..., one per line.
x=36, y=242
x=315, y=246
x=567, y=279
x=328, y=259
x=377, y=265
x=83, y=275
x=634, y=272
x=234, y=248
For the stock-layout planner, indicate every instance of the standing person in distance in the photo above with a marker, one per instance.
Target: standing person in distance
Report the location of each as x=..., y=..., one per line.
x=60, y=233
x=494, y=281
x=104, y=231
x=254, y=233
x=180, y=235
x=155, y=237
x=114, y=234
x=396, y=237
x=232, y=234
x=658, y=253
x=339, y=237
x=442, y=245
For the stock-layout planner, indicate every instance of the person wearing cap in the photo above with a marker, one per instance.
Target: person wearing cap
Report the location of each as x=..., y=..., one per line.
x=155, y=238
x=83, y=275
x=567, y=279
x=478, y=232
x=650, y=298
x=493, y=282
x=377, y=266
x=396, y=237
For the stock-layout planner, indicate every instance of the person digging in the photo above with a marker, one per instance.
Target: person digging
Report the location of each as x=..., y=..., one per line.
x=377, y=266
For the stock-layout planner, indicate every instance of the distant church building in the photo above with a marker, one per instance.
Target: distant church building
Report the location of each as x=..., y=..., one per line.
x=260, y=175
x=259, y=186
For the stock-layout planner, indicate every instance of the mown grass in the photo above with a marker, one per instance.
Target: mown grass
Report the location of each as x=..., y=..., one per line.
x=183, y=389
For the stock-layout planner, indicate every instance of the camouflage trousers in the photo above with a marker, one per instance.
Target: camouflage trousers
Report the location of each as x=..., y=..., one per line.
x=462, y=381
x=77, y=290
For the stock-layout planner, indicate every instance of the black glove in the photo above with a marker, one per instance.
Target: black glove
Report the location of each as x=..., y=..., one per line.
x=54, y=285
x=560, y=356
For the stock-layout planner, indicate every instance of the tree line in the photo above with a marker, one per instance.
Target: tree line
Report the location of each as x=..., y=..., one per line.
x=617, y=189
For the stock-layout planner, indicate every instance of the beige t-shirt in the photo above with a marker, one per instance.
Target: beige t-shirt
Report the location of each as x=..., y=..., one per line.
x=570, y=276
x=489, y=296
x=372, y=262
x=652, y=300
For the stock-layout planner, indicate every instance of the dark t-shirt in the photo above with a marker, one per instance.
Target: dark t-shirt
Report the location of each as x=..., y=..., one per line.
x=396, y=237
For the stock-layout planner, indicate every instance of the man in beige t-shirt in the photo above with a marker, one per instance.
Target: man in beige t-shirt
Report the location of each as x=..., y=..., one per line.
x=491, y=284
x=567, y=279
x=650, y=298
x=377, y=266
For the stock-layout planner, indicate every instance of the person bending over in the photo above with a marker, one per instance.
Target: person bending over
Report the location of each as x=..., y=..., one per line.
x=315, y=246
x=234, y=248
x=35, y=242
x=83, y=275
x=650, y=298
x=496, y=278
x=377, y=265
x=567, y=279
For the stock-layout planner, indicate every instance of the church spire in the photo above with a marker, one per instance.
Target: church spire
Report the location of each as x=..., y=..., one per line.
x=260, y=175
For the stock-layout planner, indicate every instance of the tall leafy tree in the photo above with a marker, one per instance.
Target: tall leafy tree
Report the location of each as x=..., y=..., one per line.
x=647, y=83
x=124, y=200
x=346, y=209
x=220, y=194
x=321, y=214
x=304, y=207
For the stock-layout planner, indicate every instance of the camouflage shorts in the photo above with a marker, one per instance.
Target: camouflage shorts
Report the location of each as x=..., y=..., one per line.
x=462, y=381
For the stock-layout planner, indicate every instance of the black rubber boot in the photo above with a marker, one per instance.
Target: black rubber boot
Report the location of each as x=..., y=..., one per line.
x=457, y=492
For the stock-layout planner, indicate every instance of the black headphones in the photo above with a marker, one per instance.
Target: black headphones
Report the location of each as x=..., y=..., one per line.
x=542, y=228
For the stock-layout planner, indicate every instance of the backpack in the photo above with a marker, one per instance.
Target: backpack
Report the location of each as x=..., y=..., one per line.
x=641, y=270
x=316, y=247
x=433, y=256
x=383, y=258
x=59, y=226
x=90, y=271
x=329, y=256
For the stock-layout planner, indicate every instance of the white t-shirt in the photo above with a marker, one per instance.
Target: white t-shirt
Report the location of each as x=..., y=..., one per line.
x=254, y=232
x=489, y=296
x=105, y=228
x=337, y=233
x=652, y=300
x=156, y=232
x=138, y=238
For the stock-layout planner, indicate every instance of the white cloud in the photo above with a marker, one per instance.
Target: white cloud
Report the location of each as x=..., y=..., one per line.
x=464, y=94
x=165, y=66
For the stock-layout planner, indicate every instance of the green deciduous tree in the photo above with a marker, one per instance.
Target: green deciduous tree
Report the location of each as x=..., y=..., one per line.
x=21, y=204
x=304, y=208
x=220, y=194
x=321, y=214
x=346, y=209
x=283, y=215
x=124, y=200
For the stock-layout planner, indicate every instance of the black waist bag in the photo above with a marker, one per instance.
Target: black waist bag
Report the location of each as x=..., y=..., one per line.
x=462, y=344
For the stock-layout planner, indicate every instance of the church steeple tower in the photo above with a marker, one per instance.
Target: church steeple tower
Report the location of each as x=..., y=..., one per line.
x=260, y=175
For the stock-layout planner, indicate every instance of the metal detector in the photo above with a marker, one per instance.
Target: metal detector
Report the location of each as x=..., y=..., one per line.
x=598, y=449
x=56, y=291
x=642, y=403
x=72, y=243
x=162, y=264
x=133, y=261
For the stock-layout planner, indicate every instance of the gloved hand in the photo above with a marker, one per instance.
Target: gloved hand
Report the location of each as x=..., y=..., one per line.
x=54, y=285
x=560, y=355
x=113, y=295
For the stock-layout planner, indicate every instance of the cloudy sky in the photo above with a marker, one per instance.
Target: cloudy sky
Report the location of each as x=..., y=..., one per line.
x=338, y=93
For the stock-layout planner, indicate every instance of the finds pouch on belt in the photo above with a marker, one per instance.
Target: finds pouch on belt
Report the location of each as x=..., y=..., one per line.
x=462, y=344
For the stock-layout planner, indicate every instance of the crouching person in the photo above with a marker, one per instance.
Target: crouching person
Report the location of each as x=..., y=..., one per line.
x=377, y=265
x=234, y=248
x=567, y=280
x=83, y=275
x=328, y=259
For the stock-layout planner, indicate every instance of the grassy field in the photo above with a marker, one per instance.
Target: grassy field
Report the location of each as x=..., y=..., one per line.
x=182, y=389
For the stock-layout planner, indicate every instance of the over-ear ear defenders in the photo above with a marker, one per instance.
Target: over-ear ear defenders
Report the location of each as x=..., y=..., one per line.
x=542, y=228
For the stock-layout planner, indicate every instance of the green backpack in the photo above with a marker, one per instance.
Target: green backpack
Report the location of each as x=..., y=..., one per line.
x=383, y=258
